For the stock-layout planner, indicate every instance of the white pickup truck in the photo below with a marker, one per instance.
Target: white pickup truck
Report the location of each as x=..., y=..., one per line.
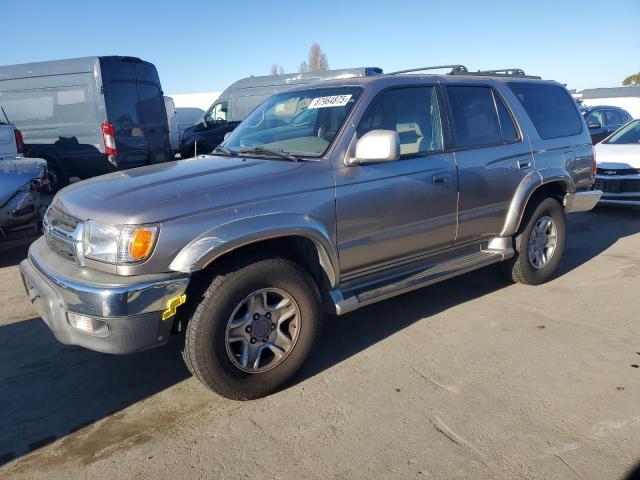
x=21, y=182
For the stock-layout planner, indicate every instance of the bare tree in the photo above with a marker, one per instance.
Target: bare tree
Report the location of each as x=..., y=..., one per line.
x=317, y=60
x=277, y=69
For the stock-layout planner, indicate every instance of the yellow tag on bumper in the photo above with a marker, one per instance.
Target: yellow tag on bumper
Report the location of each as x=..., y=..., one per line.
x=172, y=306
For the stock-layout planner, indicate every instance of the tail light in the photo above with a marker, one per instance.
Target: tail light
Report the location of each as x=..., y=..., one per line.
x=167, y=129
x=594, y=167
x=19, y=140
x=109, y=137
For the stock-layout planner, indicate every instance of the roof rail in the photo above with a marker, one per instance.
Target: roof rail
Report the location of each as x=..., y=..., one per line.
x=500, y=72
x=455, y=69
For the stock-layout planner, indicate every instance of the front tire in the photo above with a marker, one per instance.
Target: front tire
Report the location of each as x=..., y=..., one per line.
x=539, y=244
x=253, y=328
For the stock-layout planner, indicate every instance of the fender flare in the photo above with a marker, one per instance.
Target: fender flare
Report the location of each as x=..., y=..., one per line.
x=224, y=238
x=528, y=186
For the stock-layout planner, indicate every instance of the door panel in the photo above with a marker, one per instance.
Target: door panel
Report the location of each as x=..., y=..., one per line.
x=488, y=180
x=155, y=121
x=153, y=113
x=492, y=160
x=121, y=98
x=388, y=211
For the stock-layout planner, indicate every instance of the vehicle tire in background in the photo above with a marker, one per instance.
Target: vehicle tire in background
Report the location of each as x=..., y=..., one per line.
x=253, y=327
x=57, y=177
x=538, y=244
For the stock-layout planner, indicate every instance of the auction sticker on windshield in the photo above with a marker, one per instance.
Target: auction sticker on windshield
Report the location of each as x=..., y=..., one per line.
x=331, y=101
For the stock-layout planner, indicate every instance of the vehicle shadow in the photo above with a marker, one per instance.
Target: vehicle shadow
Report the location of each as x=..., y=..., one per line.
x=589, y=234
x=49, y=390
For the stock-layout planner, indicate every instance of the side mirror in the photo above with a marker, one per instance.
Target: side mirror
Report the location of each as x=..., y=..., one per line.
x=594, y=125
x=377, y=146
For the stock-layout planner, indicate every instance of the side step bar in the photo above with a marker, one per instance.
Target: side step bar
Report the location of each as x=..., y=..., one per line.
x=496, y=250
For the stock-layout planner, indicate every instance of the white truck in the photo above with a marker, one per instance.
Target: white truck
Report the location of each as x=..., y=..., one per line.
x=21, y=182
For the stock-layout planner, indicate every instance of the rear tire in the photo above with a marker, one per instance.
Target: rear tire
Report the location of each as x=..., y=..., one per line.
x=539, y=244
x=57, y=178
x=215, y=356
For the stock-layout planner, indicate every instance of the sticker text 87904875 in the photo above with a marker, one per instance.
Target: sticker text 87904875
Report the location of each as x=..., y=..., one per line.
x=330, y=101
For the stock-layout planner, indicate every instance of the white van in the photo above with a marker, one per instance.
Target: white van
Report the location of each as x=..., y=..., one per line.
x=173, y=123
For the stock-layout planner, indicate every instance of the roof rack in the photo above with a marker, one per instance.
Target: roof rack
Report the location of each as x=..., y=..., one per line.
x=455, y=69
x=462, y=70
x=500, y=72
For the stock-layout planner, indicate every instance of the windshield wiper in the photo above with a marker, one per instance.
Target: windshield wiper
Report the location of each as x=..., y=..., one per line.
x=268, y=151
x=224, y=151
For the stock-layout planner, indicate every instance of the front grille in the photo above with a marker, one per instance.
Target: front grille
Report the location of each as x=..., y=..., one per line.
x=62, y=233
x=619, y=171
x=618, y=186
x=56, y=219
x=61, y=248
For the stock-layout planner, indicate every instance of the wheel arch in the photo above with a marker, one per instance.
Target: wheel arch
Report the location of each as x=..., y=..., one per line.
x=534, y=186
x=297, y=236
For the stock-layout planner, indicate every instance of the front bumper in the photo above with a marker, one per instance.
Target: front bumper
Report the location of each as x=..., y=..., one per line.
x=581, y=201
x=619, y=189
x=130, y=306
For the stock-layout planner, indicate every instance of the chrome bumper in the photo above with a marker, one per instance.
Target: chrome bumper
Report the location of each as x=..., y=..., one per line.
x=130, y=306
x=581, y=201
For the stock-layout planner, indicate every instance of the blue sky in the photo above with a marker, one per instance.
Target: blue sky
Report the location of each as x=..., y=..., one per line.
x=206, y=45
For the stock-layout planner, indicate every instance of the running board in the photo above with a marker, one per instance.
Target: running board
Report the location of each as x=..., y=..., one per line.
x=496, y=250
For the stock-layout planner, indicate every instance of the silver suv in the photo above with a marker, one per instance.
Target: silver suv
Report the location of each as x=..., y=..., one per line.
x=325, y=198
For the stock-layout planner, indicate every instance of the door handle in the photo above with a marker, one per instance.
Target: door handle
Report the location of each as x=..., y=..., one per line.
x=522, y=164
x=440, y=178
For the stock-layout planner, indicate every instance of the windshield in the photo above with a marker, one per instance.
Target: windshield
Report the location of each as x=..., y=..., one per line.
x=628, y=134
x=302, y=123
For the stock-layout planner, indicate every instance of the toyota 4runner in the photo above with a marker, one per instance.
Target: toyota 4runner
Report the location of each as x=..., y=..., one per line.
x=326, y=198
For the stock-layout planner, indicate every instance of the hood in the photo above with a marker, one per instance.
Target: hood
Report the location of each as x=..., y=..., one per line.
x=167, y=190
x=17, y=172
x=618, y=156
x=196, y=127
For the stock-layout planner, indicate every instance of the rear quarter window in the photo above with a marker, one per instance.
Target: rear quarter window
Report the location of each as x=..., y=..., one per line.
x=550, y=108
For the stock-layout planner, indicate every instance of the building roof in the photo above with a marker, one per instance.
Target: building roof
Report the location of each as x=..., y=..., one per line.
x=615, y=92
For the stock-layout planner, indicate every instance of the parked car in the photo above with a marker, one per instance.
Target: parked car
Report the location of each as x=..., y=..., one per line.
x=21, y=183
x=327, y=197
x=172, y=122
x=239, y=99
x=618, y=174
x=603, y=120
x=88, y=116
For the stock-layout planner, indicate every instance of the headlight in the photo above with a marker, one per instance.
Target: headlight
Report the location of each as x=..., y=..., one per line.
x=118, y=244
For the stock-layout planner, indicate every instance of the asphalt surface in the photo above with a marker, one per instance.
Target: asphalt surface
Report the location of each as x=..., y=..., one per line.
x=471, y=378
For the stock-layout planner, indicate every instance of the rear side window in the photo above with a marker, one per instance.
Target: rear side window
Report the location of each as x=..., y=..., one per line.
x=412, y=112
x=550, y=108
x=475, y=120
x=49, y=107
x=614, y=117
